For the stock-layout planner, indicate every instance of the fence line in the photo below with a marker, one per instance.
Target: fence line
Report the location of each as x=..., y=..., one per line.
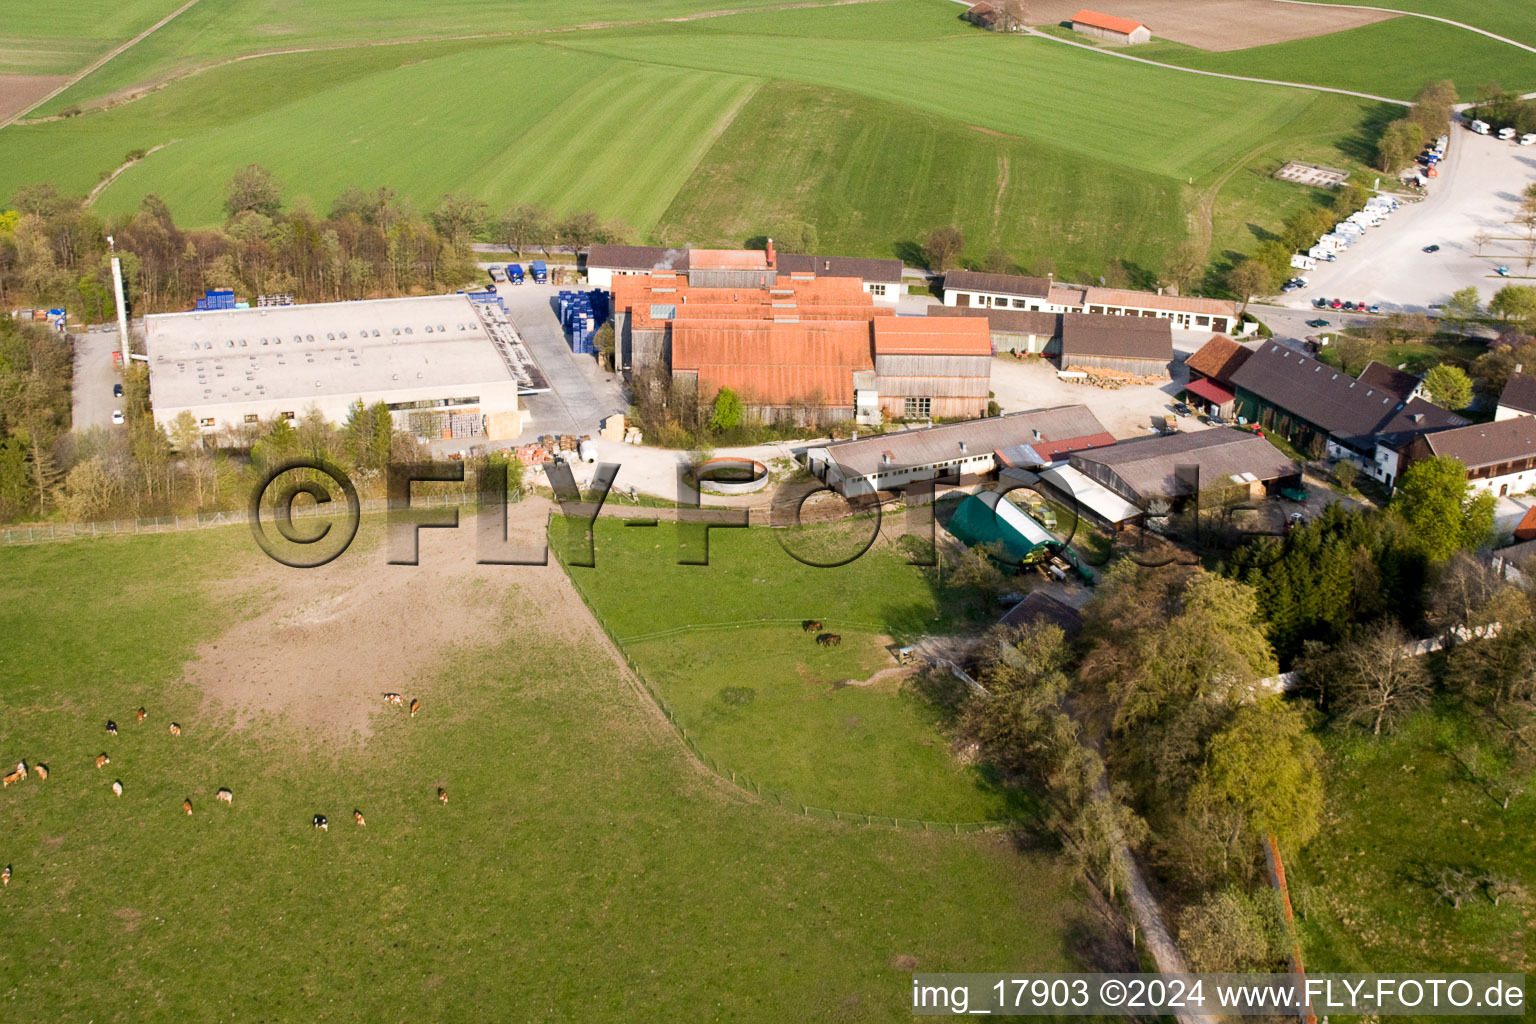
x=744, y=781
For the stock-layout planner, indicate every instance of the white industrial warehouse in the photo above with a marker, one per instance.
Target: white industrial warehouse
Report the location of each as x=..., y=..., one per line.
x=447, y=366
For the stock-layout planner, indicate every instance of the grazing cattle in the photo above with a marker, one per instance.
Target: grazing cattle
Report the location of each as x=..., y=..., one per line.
x=117, y=787
x=415, y=706
x=442, y=794
x=225, y=795
x=102, y=761
x=13, y=777
x=141, y=714
x=392, y=698
x=175, y=729
x=186, y=805
x=5, y=876
x=829, y=639
x=21, y=768
x=320, y=823
x=42, y=772
x=357, y=816
x=111, y=727
x=811, y=625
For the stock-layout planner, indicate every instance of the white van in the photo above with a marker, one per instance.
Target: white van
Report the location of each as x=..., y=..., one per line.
x=1506, y=134
x=1480, y=127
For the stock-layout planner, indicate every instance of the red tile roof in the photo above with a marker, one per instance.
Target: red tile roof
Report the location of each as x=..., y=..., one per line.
x=1218, y=358
x=774, y=363
x=916, y=335
x=727, y=259
x=1106, y=21
x=1210, y=391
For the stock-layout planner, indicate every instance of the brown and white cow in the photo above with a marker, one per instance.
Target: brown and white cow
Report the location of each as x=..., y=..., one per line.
x=111, y=727
x=102, y=760
x=393, y=698
x=442, y=794
x=13, y=777
x=5, y=876
x=357, y=816
x=141, y=714
x=415, y=706
x=117, y=787
x=175, y=729
x=186, y=805
x=42, y=772
x=320, y=823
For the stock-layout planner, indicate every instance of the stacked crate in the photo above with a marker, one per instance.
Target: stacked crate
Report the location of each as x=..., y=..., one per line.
x=581, y=313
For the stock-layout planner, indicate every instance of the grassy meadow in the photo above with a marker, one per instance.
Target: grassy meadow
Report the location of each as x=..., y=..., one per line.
x=58, y=39
x=586, y=869
x=1400, y=810
x=726, y=651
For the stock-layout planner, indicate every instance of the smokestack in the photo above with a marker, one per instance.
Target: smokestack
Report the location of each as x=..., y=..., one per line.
x=770, y=252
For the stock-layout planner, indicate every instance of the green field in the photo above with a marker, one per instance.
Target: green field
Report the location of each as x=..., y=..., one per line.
x=1510, y=18
x=1400, y=810
x=725, y=650
x=57, y=39
x=586, y=868
x=1391, y=58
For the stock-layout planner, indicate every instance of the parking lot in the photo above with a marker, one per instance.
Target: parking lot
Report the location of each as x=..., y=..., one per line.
x=1478, y=192
x=94, y=377
x=581, y=395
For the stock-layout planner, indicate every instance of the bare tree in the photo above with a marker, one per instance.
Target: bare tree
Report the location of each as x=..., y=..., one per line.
x=942, y=246
x=1380, y=680
x=1012, y=16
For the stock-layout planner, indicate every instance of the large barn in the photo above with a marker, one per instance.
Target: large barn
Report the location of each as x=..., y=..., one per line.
x=1110, y=28
x=1124, y=344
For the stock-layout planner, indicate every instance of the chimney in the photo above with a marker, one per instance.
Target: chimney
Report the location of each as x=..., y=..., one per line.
x=885, y=458
x=1159, y=289
x=770, y=252
x=826, y=265
x=962, y=447
x=1036, y=432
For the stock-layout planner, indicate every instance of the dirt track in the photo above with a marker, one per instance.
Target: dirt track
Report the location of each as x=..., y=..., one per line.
x=1219, y=24
x=327, y=643
x=19, y=92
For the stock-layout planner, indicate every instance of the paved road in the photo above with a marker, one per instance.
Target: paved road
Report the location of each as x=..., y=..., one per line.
x=582, y=396
x=1290, y=325
x=94, y=377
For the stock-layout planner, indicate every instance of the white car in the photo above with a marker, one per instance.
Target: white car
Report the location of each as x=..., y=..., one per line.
x=117, y=416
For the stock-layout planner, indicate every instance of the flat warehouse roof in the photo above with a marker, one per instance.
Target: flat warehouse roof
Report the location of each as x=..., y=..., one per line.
x=310, y=351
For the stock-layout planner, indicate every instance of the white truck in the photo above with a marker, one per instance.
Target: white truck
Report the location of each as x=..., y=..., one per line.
x=1480, y=127
x=1506, y=134
x=1301, y=261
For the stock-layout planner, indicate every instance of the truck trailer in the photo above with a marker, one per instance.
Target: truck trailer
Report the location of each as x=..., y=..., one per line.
x=540, y=272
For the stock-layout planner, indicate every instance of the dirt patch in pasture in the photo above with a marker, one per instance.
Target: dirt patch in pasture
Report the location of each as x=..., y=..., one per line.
x=991, y=132
x=1219, y=24
x=326, y=644
x=18, y=92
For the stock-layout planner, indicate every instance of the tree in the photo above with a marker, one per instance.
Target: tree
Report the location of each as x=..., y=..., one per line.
x=727, y=413
x=1448, y=386
x=1346, y=473
x=523, y=225
x=796, y=236
x=1464, y=306
x=1375, y=680
x=1397, y=145
x=942, y=246
x=1442, y=515
x=1183, y=264
x=976, y=570
x=579, y=230
x=1515, y=304
x=458, y=217
x=1012, y=16
x=1249, y=279
x=1432, y=107
x=1354, y=352
x=254, y=189
x=1230, y=931
x=1268, y=766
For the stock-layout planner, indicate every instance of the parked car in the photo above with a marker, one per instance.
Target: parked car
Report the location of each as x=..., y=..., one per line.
x=1319, y=303
x=1349, y=305
x=1319, y=322
x=117, y=391
x=1181, y=409
x=1375, y=307
x=117, y=416
x=1431, y=248
x=1501, y=271
x=1336, y=304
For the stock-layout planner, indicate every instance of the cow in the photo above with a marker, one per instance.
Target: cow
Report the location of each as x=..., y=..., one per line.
x=357, y=816
x=21, y=769
x=5, y=876
x=141, y=714
x=186, y=805
x=102, y=760
x=117, y=787
x=392, y=698
x=811, y=625
x=415, y=706
x=13, y=777
x=442, y=794
x=175, y=729
x=42, y=772
x=225, y=795
x=829, y=639
x=320, y=823
x=111, y=727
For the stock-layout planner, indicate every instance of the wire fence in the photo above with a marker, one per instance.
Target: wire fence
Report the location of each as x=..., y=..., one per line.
x=40, y=533
x=746, y=782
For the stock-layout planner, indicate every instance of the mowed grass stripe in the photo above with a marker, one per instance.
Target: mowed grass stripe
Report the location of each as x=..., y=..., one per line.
x=505, y=123
x=1510, y=18
x=1157, y=121
x=60, y=38
x=626, y=141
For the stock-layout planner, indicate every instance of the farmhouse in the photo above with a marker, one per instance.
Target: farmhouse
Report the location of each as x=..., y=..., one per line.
x=881, y=279
x=1396, y=382
x=886, y=462
x=1327, y=412
x=1518, y=397
x=965, y=288
x=1500, y=456
x=1177, y=465
x=1135, y=345
x=1111, y=28
x=1022, y=332
x=446, y=367
x=1210, y=387
x=982, y=15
